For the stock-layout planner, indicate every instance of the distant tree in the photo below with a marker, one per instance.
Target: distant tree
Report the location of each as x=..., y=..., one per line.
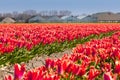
x=15, y=14
x=25, y=15
x=22, y=17
x=43, y=13
x=64, y=13
x=53, y=13
x=30, y=12
x=1, y=15
x=7, y=15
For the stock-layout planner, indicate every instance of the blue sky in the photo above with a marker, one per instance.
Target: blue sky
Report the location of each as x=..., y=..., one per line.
x=76, y=6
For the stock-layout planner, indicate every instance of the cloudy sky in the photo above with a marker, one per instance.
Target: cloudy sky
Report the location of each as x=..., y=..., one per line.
x=76, y=6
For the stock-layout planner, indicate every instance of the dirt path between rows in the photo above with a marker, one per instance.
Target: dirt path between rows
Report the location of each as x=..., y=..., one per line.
x=35, y=62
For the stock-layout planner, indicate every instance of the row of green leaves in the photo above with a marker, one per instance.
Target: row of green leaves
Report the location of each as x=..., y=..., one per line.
x=23, y=55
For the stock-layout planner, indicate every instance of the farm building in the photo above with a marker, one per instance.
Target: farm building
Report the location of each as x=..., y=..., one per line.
x=81, y=16
x=36, y=19
x=70, y=19
x=107, y=17
x=63, y=17
x=53, y=19
x=102, y=17
x=88, y=18
x=8, y=20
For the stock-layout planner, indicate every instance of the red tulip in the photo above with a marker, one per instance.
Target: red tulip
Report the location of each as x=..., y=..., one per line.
x=19, y=71
x=34, y=75
x=78, y=49
x=79, y=70
x=69, y=67
x=51, y=77
x=88, y=51
x=117, y=67
x=9, y=77
x=49, y=63
x=103, y=54
x=93, y=73
x=61, y=69
x=106, y=67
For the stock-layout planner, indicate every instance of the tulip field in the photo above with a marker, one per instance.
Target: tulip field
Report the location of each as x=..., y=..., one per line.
x=24, y=35
x=22, y=42
x=95, y=50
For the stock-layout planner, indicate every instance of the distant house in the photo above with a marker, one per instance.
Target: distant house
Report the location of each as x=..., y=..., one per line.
x=53, y=19
x=36, y=19
x=70, y=19
x=8, y=20
x=106, y=17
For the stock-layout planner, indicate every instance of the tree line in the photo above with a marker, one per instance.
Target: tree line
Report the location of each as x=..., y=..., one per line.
x=23, y=16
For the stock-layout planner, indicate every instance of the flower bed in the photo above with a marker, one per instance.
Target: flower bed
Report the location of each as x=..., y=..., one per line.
x=21, y=42
x=29, y=35
x=96, y=59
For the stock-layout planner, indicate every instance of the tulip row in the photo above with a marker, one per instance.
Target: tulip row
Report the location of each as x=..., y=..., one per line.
x=29, y=35
x=96, y=59
x=24, y=41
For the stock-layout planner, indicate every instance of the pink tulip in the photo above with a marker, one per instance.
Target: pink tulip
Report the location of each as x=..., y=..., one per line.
x=108, y=76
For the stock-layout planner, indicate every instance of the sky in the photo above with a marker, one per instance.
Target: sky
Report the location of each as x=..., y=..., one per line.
x=75, y=6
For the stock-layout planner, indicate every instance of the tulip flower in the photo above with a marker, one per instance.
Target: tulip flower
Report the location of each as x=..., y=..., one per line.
x=88, y=51
x=78, y=49
x=109, y=76
x=69, y=67
x=34, y=75
x=19, y=71
x=106, y=67
x=61, y=69
x=93, y=73
x=117, y=67
x=51, y=77
x=103, y=54
x=9, y=77
x=78, y=70
x=49, y=63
